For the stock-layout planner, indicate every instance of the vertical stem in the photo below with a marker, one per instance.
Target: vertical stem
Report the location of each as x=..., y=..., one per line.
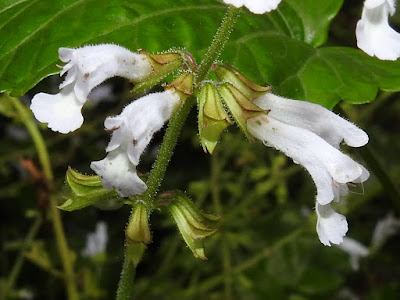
x=218, y=43
x=172, y=133
x=64, y=252
x=125, y=285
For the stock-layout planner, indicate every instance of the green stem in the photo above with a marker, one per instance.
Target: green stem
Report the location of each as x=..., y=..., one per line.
x=218, y=43
x=20, y=260
x=44, y=158
x=164, y=155
x=172, y=133
x=125, y=285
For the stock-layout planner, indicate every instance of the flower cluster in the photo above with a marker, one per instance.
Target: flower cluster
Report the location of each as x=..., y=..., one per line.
x=132, y=130
x=306, y=132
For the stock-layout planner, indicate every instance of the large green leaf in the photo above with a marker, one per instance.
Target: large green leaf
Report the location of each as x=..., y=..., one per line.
x=31, y=31
x=325, y=75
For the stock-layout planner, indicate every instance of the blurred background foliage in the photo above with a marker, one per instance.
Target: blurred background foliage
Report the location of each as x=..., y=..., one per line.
x=266, y=246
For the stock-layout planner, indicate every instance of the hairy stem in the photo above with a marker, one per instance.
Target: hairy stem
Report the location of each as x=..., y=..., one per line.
x=171, y=137
x=44, y=158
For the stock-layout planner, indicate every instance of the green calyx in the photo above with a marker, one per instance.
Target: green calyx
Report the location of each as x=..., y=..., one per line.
x=248, y=88
x=212, y=119
x=183, y=85
x=86, y=190
x=138, y=230
x=162, y=64
x=193, y=224
x=241, y=107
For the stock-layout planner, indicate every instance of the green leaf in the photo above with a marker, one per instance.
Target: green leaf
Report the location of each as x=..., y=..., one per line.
x=315, y=16
x=326, y=75
x=31, y=31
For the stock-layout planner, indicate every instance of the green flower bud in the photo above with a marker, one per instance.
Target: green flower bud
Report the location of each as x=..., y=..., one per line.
x=193, y=224
x=213, y=119
x=138, y=230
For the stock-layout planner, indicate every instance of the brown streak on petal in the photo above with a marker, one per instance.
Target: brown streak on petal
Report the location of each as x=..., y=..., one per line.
x=112, y=129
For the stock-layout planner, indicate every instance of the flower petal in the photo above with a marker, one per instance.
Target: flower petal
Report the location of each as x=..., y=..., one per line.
x=315, y=118
x=117, y=172
x=62, y=111
x=331, y=226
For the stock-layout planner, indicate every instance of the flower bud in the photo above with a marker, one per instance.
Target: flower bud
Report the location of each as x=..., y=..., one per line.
x=248, y=88
x=241, y=107
x=193, y=224
x=138, y=230
x=162, y=64
x=213, y=119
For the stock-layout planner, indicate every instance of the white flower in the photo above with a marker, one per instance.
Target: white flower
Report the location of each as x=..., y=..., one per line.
x=311, y=136
x=96, y=242
x=132, y=132
x=374, y=35
x=355, y=249
x=384, y=229
x=87, y=67
x=256, y=6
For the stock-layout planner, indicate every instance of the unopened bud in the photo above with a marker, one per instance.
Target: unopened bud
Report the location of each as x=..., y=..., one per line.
x=138, y=230
x=213, y=119
x=193, y=224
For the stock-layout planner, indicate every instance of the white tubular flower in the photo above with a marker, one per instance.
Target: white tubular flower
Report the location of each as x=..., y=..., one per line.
x=132, y=132
x=87, y=67
x=311, y=136
x=355, y=249
x=331, y=226
x=256, y=6
x=374, y=35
